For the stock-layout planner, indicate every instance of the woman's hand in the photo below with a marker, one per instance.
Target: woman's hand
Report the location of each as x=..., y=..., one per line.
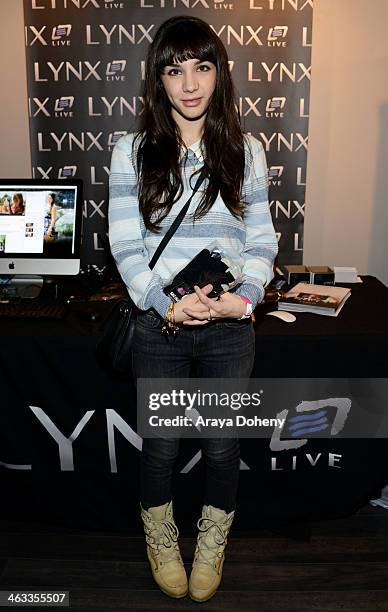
x=191, y=301
x=228, y=305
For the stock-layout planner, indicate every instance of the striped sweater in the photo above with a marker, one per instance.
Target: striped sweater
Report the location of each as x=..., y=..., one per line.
x=250, y=242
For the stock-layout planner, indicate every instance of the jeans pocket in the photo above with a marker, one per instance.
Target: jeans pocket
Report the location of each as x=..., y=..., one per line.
x=148, y=320
x=237, y=323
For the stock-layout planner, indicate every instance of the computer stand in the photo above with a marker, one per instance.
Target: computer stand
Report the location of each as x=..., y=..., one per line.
x=21, y=286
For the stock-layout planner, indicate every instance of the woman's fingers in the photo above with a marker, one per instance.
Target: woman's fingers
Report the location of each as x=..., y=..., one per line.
x=200, y=293
x=195, y=322
x=207, y=288
x=211, y=303
x=192, y=297
x=204, y=291
x=198, y=308
x=195, y=313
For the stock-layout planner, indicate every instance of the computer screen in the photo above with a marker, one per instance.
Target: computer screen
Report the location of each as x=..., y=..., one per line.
x=40, y=226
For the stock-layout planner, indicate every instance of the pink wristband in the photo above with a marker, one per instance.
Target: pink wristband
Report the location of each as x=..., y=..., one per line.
x=248, y=307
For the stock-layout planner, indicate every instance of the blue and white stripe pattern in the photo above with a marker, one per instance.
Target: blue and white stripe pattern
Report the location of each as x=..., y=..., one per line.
x=251, y=242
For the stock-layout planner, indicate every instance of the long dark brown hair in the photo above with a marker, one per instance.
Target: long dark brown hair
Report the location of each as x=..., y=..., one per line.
x=158, y=140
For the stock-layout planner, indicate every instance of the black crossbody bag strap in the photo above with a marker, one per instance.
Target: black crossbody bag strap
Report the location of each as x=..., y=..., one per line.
x=114, y=345
x=177, y=221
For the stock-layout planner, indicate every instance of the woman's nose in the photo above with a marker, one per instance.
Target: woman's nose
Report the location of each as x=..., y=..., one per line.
x=190, y=82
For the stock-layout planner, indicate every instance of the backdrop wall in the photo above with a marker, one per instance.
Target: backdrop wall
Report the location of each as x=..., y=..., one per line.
x=15, y=157
x=347, y=180
x=86, y=65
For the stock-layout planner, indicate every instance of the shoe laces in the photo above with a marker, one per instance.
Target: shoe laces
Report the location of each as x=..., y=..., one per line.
x=162, y=537
x=212, y=539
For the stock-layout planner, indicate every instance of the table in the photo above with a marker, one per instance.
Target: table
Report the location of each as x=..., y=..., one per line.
x=69, y=449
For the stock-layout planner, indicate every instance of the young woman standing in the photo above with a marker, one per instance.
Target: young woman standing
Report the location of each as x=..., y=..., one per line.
x=189, y=122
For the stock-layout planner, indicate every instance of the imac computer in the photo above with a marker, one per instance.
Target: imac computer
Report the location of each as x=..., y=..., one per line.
x=40, y=228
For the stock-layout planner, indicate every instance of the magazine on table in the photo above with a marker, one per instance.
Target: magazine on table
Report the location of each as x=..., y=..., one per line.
x=318, y=299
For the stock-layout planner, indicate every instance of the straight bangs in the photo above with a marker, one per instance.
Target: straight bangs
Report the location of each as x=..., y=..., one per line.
x=180, y=46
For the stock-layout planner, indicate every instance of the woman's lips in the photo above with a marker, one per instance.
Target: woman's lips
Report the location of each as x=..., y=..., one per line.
x=193, y=102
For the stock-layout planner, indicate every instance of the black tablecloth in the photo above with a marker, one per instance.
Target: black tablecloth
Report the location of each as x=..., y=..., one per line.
x=70, y=452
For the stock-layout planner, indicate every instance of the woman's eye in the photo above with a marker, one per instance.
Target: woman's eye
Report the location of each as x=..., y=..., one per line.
x=202, y=68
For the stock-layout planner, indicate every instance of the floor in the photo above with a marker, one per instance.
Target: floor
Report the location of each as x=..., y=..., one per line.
x=342, y=565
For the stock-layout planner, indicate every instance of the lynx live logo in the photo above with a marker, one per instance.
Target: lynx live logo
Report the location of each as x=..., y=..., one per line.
x=216, y=4
x=59, y=108
x=77, y=4
x=58, y=36
x=258, y=5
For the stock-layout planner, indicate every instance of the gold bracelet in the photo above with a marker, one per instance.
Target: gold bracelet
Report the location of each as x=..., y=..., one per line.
x=170, y=328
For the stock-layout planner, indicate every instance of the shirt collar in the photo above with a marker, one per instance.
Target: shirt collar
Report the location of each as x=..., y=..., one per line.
x=195, y=149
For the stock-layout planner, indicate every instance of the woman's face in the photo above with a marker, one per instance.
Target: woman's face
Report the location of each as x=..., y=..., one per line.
x=189, y=86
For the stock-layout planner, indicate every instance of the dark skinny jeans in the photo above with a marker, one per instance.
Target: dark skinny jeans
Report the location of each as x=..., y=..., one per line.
x=220, y=349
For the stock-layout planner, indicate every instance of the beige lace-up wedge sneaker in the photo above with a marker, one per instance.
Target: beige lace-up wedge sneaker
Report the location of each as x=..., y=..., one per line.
x=163, y=550
x=206, y=574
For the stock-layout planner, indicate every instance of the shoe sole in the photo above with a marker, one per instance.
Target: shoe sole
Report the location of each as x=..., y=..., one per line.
x=168, y=592
x=215, y=590
x=171, y=595
x=200, y=600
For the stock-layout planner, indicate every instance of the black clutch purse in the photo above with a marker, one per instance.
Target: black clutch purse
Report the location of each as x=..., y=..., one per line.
x=206, y=267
